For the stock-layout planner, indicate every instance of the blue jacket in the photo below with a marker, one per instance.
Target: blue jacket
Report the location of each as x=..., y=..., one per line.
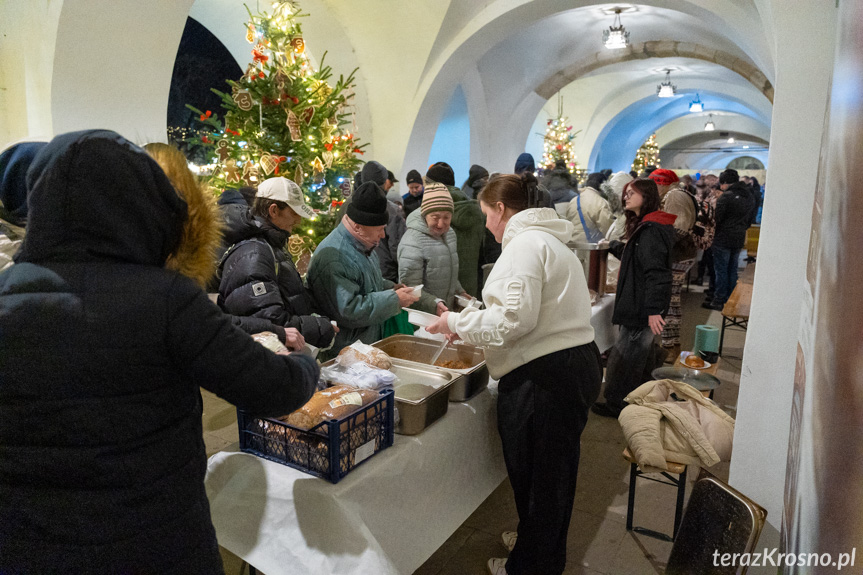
x=345, y=280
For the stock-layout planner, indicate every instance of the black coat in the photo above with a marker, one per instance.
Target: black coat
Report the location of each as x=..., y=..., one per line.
x=734, y=209
x=258, y=279
x=411, y=203
x=102, y=461
x=644, y=280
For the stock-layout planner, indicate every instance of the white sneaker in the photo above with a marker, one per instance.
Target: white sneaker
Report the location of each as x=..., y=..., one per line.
x=497, y=566
x=509, y=538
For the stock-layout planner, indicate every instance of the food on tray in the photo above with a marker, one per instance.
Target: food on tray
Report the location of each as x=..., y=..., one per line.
x=331, y=403
x=359, y=351
x=453, y=364
x=694, y=362
x=270, y=341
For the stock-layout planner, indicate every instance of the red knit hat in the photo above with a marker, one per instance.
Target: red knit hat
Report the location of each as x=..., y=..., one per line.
x=664, y=177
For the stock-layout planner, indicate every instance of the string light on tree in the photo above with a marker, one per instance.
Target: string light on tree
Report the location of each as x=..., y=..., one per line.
x=647, y=155
x=280, y=115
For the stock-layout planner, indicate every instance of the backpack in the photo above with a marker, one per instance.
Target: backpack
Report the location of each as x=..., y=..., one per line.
x=705, y=224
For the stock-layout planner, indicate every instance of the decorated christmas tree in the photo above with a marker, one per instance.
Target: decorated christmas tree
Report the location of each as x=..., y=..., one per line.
x=283, y=118
x=557, y=143
x=647, y=155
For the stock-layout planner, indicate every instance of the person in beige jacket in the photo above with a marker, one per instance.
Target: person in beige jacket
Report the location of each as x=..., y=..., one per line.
x=675, y=200
x=589, y=212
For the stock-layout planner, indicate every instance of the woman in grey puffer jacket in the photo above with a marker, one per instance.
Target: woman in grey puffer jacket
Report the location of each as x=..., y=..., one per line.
x=427, y=253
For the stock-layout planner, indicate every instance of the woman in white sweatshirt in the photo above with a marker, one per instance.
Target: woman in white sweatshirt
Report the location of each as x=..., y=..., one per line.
x=539, y=343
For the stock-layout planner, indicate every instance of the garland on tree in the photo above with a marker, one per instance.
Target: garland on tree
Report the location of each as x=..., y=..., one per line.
x=284, y=119
x=647, y=155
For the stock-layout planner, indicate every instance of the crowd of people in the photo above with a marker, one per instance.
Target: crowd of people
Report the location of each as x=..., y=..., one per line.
x=114, y=248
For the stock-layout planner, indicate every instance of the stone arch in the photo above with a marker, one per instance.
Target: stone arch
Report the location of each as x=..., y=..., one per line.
x=657, y=49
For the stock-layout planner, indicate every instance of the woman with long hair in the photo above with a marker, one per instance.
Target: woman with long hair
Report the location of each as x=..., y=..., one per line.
x=643, y=293
x=539, y=344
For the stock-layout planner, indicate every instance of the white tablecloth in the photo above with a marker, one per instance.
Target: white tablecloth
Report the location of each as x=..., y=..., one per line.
x=605, y=334
x=385, y=517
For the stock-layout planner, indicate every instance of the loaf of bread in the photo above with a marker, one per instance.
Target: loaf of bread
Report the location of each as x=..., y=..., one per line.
x=359, y=351
x=331, y=403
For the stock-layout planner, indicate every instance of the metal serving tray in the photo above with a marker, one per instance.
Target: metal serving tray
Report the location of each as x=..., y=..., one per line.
x=418, y=350
x=421, y=396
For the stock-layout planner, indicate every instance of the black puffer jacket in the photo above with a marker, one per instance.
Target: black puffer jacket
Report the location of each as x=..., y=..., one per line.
x=103, y=355
x=734, y=209
x=260, y=280
x=644, y=283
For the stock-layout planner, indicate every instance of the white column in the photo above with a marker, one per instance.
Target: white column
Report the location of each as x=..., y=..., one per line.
x=767, y=378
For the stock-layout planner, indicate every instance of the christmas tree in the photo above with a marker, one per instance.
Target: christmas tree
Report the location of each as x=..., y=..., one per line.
x=557, y=142
x=647, y=155
x=283, y=118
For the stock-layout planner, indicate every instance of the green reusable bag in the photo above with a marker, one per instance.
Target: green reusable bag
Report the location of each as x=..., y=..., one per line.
x=398, y=324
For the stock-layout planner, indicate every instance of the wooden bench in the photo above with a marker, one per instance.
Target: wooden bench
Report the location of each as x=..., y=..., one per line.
x=735, y=313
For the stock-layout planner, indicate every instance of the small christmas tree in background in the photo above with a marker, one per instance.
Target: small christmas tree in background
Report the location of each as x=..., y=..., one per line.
x=647, y=155
x=557, y=142
x=283, y=119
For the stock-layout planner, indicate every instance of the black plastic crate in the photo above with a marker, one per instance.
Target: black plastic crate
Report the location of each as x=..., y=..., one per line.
x=330, y=449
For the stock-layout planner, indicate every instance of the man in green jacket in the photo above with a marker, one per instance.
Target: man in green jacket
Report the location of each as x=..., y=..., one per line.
x=469, y=225
x=345, y=276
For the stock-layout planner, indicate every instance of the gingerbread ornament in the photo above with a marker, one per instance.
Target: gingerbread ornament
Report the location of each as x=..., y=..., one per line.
x=346, y=188
x=244, y=101
x=268, y=163
x=223, y=151
x=250, y=33
x=328, y=159
x=232, y=174
x=318, y=165
x=293, y=124
x=298, y=44
x=299, y=176
x=308, y=114
x=250, y=174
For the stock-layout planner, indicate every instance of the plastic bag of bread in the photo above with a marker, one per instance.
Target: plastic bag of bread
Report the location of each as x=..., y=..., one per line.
x=331, y=403
x=270, y=341
x=358, y=374
x=358, y=351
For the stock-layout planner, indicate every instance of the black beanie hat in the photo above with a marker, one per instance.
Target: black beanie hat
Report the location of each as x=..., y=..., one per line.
x=441, y=173
x=368, y=206
x=414, y=177
x=729, y=177
x=475, y=173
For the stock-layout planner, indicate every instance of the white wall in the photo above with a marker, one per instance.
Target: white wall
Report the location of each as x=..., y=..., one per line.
x=28, y=31
x=113, y=66
x=766, y=382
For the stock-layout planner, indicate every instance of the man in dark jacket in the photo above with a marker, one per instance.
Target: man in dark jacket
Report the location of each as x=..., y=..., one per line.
x=733, y=216
x=477, y=177
x=414, y=198
x=257, y=278
x=525, y=163
x=14, y=162
x=104, y=353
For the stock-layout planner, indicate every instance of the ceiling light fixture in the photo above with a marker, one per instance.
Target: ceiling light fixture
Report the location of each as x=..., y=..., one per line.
x=730, y=140
x=616, y=36
x=745, y=147
x=709, y=126
x=666, y=89
x=696, y=105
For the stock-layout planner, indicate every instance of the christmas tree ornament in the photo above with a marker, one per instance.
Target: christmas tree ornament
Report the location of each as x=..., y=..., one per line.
x=250, y=174
x=293, y=124
x=244, y=101
x=250, y=33
x=223, y=151
x=280, y=79
x=308, y=114
x=318, y=165
x=285, y=10
x=299, y=176
x=298, y=44
x=232, y=174
x=346, y=188
x=328, y=159
x=268, y=163
x=251, y=72
x=327, y=130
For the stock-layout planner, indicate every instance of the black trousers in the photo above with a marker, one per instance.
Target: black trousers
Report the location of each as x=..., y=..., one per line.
x=542, y=410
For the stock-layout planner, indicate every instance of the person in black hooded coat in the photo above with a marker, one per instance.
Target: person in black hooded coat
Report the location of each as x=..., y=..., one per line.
x=104, y=351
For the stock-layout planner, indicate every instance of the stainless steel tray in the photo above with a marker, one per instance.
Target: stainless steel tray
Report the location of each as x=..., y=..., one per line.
x=418, y=350
x=698, y=379
x=421, y=396
x=586, y=246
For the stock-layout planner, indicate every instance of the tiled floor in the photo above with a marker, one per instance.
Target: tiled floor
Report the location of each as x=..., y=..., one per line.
x=598, y=542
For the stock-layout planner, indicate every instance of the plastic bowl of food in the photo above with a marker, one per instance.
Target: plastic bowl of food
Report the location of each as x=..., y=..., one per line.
x=418, y=290
x=420, y=318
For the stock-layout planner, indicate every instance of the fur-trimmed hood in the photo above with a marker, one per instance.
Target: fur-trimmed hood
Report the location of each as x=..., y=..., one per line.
x=197, y=254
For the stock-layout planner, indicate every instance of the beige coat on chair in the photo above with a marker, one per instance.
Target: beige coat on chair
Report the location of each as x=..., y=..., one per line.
x=659, y=428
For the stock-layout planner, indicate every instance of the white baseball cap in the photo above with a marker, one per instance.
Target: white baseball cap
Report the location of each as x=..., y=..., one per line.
x=285, y=190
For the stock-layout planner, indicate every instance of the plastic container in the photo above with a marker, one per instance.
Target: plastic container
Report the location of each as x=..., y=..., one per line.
x=420, y=318
x=418, y=290
x=329, y=450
